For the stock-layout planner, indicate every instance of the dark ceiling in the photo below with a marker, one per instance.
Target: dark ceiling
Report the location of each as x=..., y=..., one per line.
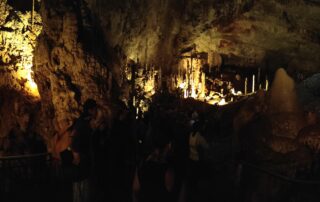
x=24, y=5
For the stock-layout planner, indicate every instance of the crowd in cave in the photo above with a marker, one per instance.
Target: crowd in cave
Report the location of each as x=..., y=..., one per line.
x=143, y=159
x=169, y=153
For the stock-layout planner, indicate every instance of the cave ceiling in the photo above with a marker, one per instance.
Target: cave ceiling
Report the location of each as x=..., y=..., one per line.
x=248, y=33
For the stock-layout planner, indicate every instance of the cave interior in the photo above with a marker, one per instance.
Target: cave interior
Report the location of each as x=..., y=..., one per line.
x=160, y=100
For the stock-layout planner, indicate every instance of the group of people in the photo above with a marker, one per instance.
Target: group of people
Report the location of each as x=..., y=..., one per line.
x=134, y=160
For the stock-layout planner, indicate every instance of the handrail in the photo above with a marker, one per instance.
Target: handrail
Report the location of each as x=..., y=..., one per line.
x=24, y=156
x=258, y=168
x=277, y=175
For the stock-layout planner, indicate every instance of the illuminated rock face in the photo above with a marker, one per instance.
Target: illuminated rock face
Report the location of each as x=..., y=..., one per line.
x=285, y=112
x=247, y=33
x=17, y=42
x=67, y=70
x=82, y=54
x=278, y=134
x=250, y=33
x=19, y=95
x=283, y=95
x=55, y=72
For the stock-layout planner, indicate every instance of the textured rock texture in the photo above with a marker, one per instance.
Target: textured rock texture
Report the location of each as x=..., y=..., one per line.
x=84, y=45
x=19, y=97
x=68, y=70
x=269, y=34
x=17, y=41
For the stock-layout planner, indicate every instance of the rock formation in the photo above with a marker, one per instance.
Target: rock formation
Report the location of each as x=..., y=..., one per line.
x=246, y=33
x=84, y=45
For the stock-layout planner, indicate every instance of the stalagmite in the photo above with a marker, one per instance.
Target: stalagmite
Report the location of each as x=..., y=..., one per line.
x=32, y=15
x=283, y=97
x=246, y=86
x=253, y=83
x=259, y=76
x=203, y=87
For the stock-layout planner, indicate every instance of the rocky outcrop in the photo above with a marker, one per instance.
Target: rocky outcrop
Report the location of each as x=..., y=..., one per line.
x=67, y=70
x=17, y=41
x=85, y=45
x=275, y=134
x=247, y=33
x=19, y=97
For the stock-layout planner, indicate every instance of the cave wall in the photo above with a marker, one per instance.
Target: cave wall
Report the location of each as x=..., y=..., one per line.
x=252, y=33
x=19, y=97
x=67, y=70
x=84, y=45
x=17, y=41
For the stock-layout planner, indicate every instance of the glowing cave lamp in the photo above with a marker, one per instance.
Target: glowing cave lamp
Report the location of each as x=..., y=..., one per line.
x=25, y=73
x=222, y=102
x=32, y=86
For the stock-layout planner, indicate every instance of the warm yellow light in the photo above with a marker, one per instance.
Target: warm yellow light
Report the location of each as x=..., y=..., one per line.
x=25, y=73
x=149, y=86
x=193, y=92
x=182, y=85
x=213, y=102
x=19, y=45
x=195, y=79
x=192, y=80
x=146, y=81
x=222, y=102
x=32, y=86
